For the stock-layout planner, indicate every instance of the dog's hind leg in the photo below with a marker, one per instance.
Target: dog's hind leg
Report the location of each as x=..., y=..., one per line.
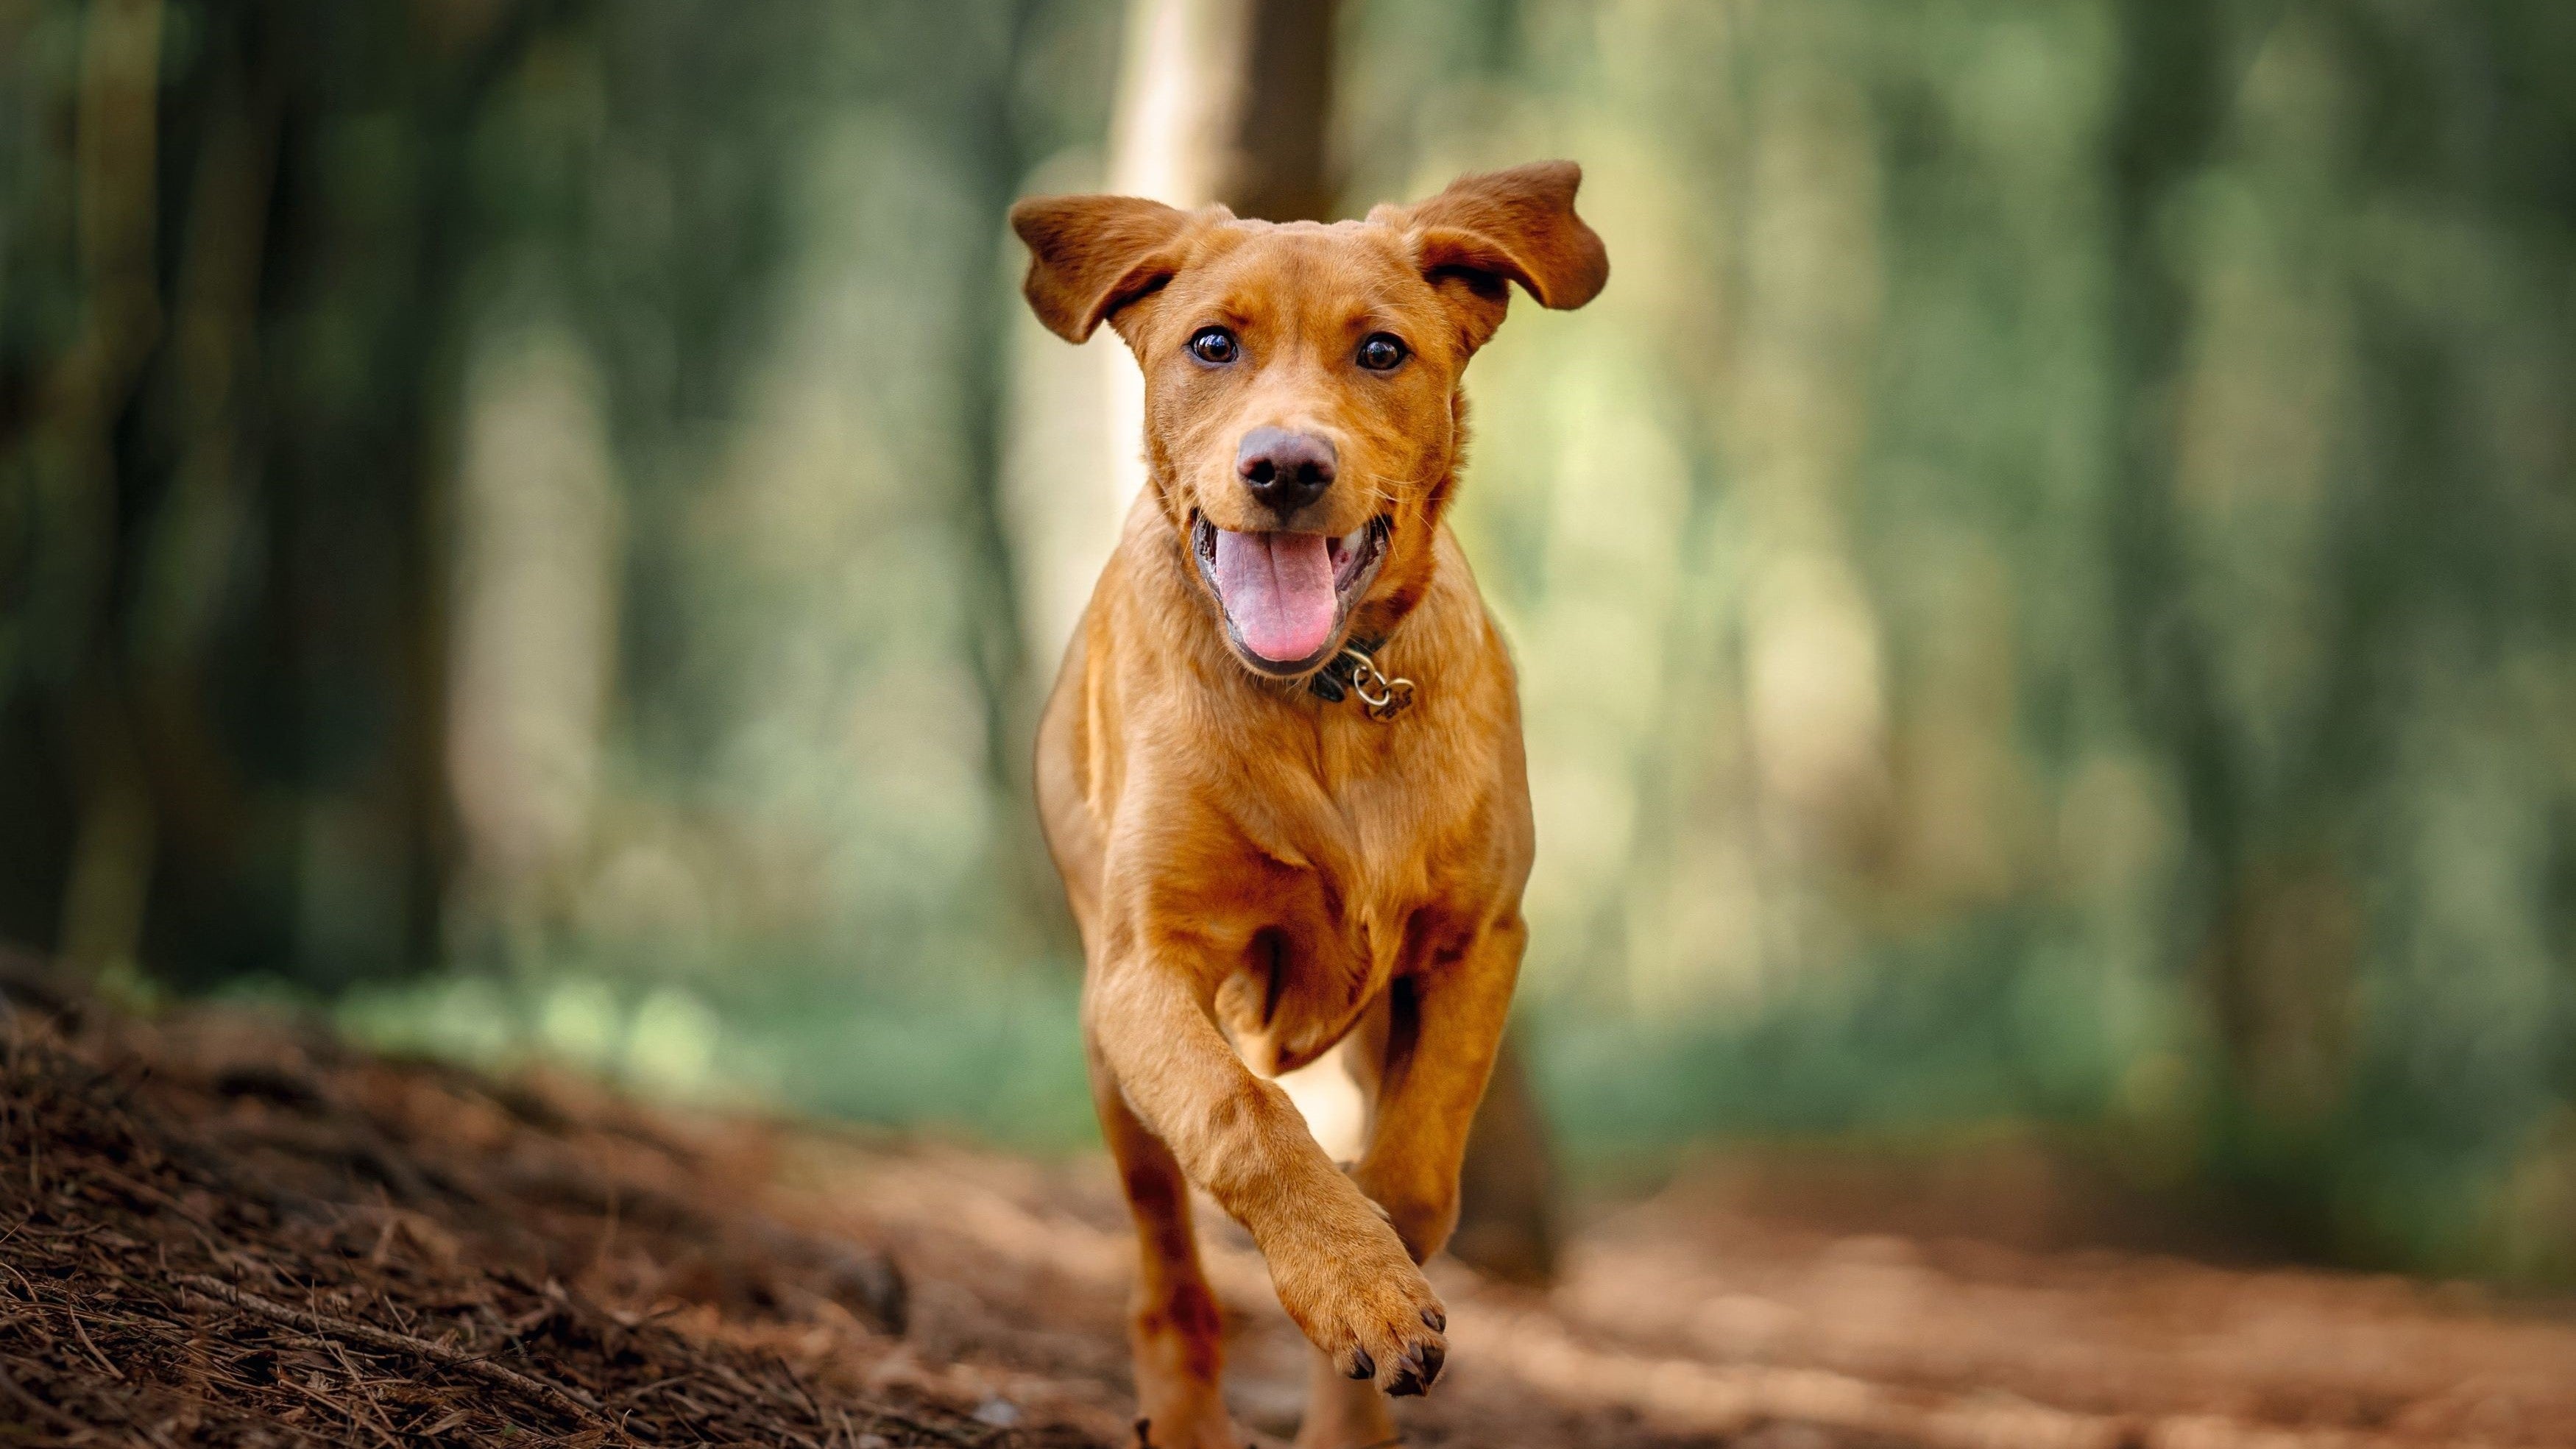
x=1432, y=1042
x=1173, y=1324
x=1342, y=1412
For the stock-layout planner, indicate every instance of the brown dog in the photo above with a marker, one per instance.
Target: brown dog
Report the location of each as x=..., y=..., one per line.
x=1281, y=770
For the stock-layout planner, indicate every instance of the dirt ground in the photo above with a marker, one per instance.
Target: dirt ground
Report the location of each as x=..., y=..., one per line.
x=215, y=1229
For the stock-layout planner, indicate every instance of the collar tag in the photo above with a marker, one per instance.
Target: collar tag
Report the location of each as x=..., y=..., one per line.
x=1354, y=672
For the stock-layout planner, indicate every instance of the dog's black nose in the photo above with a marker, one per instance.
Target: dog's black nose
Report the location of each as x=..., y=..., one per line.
x=1285, y=470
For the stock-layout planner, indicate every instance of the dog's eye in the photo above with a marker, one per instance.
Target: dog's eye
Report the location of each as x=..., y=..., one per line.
x=1381, y=352
x=1214, y=345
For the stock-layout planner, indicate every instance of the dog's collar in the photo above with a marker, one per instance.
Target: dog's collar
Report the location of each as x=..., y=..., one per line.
x=1354, y=671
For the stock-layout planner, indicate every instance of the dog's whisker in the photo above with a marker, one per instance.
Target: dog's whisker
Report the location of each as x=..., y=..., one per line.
x=1380, y=490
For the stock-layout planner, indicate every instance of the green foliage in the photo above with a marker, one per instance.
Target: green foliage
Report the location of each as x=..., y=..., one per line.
x=998, y=1061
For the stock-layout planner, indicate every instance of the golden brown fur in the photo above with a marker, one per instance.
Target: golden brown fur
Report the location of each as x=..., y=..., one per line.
x=1261, y=875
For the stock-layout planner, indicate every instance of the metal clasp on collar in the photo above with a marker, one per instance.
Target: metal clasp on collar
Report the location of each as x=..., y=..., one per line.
x=1382, y=697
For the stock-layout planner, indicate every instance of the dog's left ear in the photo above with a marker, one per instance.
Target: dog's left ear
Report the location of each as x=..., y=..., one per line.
x=1487, y=231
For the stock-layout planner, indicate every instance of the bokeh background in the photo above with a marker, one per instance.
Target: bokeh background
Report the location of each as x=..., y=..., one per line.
x=2043, y=588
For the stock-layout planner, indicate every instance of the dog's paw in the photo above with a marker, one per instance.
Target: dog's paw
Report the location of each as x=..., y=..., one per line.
x=1366, y=1306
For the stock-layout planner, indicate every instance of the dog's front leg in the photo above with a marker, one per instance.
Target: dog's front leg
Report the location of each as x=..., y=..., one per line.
x=1339, y=1269
x=1423, y=1056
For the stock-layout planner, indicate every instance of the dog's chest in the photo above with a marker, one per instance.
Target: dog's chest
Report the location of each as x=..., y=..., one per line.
x=1367, y=891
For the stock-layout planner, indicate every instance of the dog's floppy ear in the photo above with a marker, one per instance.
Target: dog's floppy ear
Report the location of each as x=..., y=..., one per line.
x=1091, y=255
x=1489, y=230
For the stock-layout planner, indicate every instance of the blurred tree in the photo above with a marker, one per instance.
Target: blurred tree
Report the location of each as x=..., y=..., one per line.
x=236, y=246
x=2169, y=113
x=1281, y=164
x=2286, y=788
x=255, y=249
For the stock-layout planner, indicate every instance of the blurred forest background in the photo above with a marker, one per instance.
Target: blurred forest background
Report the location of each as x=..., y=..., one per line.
x=2043, y=588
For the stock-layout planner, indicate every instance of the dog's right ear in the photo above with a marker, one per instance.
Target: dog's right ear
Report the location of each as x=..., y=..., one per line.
x=1091, y=255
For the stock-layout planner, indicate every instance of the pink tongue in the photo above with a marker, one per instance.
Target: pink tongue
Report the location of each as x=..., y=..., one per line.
x=1278, y=590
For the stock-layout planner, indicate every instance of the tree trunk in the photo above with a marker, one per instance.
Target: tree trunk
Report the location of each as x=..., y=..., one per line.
x=2262, y=923
x=1281, y=167
x=232, y=734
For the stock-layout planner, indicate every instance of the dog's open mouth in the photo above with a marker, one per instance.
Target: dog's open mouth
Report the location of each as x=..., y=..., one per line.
x=1285, y=595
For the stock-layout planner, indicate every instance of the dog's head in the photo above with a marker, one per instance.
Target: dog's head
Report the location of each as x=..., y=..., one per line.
x=1301, y=380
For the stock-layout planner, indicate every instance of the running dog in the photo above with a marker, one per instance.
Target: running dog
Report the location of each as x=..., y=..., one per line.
x=1281, y=769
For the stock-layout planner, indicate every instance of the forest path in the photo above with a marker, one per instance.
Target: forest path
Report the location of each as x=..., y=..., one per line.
x=216, y=1229
x=1683, y=1321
